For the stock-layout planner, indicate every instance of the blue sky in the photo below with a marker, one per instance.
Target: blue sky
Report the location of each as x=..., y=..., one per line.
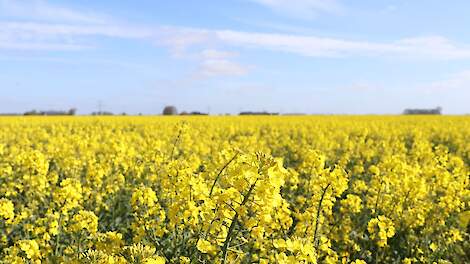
x=311, y=56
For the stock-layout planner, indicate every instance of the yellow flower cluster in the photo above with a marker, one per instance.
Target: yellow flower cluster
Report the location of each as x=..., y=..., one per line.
x=381, y=228
x=84, y=220
x=7, y=209
x=317, y=189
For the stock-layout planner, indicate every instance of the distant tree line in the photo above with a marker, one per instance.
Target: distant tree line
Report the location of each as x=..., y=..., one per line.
x=257, y=113
x=70, y=112
x=171, y=110
x=193, y=113
x=433, y=111
x=105, y=113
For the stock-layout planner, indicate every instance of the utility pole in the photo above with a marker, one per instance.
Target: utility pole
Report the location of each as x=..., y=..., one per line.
x=100, y=107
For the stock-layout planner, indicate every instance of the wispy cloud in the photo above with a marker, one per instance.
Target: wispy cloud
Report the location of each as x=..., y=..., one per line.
x=213, y=68
x=78, y=34
x=436, y=47
x=363, y=87
x=40, y=10
x=39, y=25
x=454, y=83
x=431, y=47
x=32, y=35
x=311, y=46
x=37, y=29
x=278, y=27
x=213, y=54
x=55, y=36
x=10, y=45
x=305, y=9
x=217, y=63
x=178, y=39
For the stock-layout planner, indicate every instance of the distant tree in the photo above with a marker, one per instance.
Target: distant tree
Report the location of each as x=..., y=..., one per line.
x=434, y=111
x=170, y=110
x=72, y=111
x=32, y=112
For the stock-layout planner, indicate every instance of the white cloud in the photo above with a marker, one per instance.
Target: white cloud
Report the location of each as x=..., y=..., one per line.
x=302, y=8
x=43, y=11
x=216, y=63
x=303, y=45
x=53, y=36
x=178, y=39
x=217, y=54
x=220, y=67
x=278, y=27
x=452, y=83
x=456, y=82
x=36, y=29
x=10, y=45
x=76, y=30
x=38, y=25
x=421, y=47
x=433, y=47
x=363, y=87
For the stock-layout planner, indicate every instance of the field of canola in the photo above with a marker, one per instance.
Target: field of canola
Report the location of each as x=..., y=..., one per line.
x=311, y=189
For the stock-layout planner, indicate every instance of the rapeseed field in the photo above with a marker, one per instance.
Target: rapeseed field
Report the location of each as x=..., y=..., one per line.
x=290, y=189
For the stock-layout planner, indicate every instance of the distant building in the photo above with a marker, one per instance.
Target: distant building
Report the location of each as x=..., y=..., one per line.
x=434, y=111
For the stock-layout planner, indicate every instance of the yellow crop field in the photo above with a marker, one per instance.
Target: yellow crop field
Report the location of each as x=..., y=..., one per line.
x=299, y=189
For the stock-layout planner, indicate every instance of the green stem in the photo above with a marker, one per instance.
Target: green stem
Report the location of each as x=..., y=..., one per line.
x=220, y=173
x=377, y=200
x=175, y=143
x=234, y=224
x=315, y=238
x=57, y=239
x=79, y=242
